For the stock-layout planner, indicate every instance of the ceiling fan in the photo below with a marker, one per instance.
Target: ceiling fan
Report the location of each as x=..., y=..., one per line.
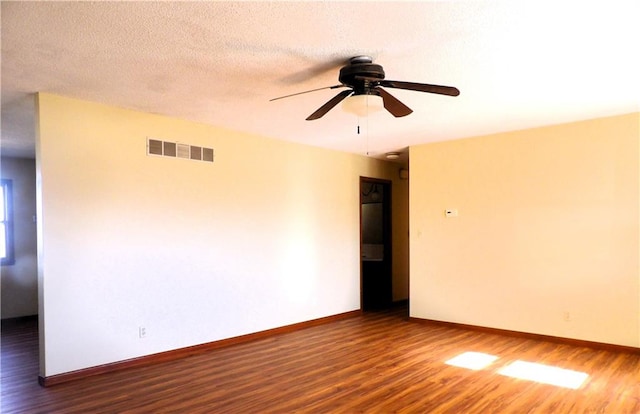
x=363, y=77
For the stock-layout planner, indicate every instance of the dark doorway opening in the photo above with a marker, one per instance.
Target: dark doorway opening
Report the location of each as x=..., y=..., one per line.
x=375, y=244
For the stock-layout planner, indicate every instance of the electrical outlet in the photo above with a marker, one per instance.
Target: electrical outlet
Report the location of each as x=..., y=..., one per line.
x=142, y=332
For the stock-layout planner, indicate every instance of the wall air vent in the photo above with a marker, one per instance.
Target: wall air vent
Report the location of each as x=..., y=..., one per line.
x=154, y=147
x=178, y=150
x=207, y=154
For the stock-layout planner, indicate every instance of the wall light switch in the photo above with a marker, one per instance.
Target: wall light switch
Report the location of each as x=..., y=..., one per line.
x=451, y=212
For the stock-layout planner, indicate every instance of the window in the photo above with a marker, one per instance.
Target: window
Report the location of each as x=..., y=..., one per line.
x=6, y=223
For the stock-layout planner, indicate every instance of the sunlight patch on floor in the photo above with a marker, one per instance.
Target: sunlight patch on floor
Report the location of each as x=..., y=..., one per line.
x=472, y=360
x=545, y=374
x=531, y=371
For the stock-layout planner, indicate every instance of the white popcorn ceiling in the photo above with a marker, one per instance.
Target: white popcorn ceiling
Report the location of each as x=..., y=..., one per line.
x=518, y=64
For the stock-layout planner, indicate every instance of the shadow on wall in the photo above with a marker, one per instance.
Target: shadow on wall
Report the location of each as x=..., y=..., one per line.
x=20, y=280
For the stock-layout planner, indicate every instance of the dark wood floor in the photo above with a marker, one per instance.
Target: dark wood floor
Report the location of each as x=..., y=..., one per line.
x=376, y=363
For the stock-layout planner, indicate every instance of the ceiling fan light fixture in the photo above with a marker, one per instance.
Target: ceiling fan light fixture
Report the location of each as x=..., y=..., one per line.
x=362, y=104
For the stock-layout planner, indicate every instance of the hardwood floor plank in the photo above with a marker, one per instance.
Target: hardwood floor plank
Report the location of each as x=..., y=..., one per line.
x=374, y=363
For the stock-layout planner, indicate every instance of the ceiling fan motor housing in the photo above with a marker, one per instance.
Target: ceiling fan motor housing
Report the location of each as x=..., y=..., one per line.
x=349, y=73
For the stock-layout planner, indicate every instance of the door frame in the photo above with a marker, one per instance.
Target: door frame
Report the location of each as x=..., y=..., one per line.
x=387, y=231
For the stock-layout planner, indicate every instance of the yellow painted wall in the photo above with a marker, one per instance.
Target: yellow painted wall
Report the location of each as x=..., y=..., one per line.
x=546, y=239
x=266, y=236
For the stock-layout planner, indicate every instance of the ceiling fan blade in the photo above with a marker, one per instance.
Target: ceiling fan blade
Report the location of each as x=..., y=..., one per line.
x=313, y=69
x=393, y=105
x=421, y=87
x=312, y=90
x=413, y=86
x=330, y=104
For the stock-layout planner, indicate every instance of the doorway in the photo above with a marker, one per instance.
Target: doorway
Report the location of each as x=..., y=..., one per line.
x=375, y=244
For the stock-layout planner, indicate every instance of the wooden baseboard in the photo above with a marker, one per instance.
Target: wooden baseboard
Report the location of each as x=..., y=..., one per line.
x=186, y=352
x=526, y=335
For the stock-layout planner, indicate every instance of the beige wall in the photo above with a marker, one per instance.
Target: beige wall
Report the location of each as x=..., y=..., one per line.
x=19, y=280
x=400, y=232
x=546, y=240
x=266, y=236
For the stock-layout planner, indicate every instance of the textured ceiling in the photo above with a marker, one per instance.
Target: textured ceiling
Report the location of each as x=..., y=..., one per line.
x=518, y=64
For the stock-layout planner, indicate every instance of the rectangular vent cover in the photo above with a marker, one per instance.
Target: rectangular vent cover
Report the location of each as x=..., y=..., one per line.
x=176, y=150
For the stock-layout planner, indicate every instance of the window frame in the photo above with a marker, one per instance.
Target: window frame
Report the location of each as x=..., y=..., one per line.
x=7, y=186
